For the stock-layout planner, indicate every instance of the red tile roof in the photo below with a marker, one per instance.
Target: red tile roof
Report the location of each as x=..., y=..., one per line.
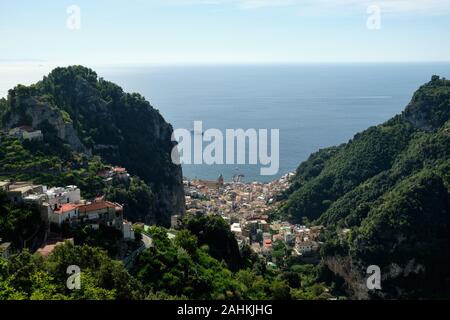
x=99, y=205
x=65, y=208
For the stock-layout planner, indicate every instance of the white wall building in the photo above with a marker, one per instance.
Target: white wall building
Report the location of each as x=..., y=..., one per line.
x=59, y=196
x=127, y=230
x=65, y=212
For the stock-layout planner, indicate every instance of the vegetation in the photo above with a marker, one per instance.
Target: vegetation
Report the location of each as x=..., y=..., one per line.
x=389, y=186
x=17, y=222
x=54, y=164
x=27, y=276
x=182, y=268
x=115, y=127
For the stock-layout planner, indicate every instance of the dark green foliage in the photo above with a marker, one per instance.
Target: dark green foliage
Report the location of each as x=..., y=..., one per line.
x=103, y=114
x=46, y=163
x=137, y=196
x=368, y=154
x=181, y=268
x=107, y=238
x=390, y=186
x=215, y=232
x=18, y=223
x=121, y=128
x=410, y=226
x=27, y=276
x=429, y=108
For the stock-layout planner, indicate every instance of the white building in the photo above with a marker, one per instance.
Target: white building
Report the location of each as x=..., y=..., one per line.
x=236, y=228
x=59, y=196
x=127, y=230
x=305, y=247
x=26, y=133
x=67, y=211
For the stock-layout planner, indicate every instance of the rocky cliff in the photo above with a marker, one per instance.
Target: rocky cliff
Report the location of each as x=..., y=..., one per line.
x=97, y=118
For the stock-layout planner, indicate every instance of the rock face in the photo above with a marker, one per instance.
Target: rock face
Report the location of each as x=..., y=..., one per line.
x=344, y=268
x=41, y=113
x=98, y=118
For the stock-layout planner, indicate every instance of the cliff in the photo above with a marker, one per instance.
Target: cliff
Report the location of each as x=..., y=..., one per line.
x=97, y=118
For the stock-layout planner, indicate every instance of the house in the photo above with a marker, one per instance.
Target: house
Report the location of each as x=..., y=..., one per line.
x=102, y=212
x=63, y=213
x=61, y=195
x=26, y=133
x=304, y=247
x=236, y=228
x=17, y=192
x=120, y=174
x=289, y=238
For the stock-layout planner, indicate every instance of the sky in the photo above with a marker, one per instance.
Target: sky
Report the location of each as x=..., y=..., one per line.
x=224, y=31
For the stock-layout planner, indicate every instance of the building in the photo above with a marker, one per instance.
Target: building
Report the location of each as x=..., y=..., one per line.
x=289, y=238
x=236, y=228
x=66, y=212
x=18, y=191
x=58, y=196
x=304, y=247
x=26, y=133
x=127, y=230
x=101, y=213
x=120, y=174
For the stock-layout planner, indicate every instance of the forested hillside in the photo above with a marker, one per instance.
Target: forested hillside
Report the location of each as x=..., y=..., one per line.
x=384, y=199
x=82, y=116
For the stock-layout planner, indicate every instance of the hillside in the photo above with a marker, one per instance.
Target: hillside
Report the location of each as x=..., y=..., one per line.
x=384, y=198
x=83, y=117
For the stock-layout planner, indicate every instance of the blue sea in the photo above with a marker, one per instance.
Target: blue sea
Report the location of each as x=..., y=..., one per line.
x=314, y=106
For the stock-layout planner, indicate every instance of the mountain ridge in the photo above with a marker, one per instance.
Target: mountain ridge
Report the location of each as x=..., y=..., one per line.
x=384, y=198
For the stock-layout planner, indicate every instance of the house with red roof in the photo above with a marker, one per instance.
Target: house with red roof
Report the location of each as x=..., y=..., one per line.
x=99, y=212
x=63, y=213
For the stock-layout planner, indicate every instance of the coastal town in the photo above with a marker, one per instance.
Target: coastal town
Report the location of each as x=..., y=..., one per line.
x=60, y=206
x=247, y=207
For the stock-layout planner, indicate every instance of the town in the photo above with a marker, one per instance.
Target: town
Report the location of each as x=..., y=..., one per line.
x=247, y=207
x=60, y=206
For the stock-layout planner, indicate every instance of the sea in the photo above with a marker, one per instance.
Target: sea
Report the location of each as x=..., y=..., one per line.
x=313, y=106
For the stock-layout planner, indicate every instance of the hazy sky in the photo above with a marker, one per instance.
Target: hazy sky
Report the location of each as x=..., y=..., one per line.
x=198, y=31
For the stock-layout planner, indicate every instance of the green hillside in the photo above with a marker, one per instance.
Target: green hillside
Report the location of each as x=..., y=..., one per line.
x=389, y=186
x=88, y=122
